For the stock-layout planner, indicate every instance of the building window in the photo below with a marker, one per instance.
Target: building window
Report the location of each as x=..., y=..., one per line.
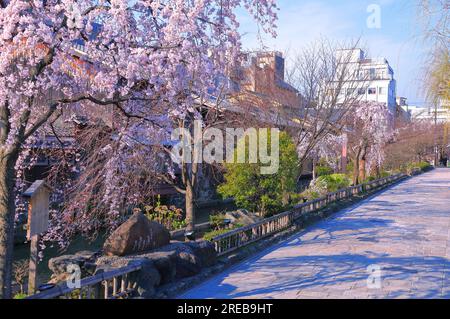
x=372, y=91
x=382, y=91
x=350, y=92
x=361, y=91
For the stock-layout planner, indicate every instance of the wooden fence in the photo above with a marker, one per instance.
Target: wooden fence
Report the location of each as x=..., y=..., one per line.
x=243, y=236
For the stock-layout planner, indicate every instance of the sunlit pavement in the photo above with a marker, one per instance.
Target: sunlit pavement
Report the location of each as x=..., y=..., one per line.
x=404, y=231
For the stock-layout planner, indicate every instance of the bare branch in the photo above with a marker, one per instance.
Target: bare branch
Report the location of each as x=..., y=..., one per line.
x=42, y=119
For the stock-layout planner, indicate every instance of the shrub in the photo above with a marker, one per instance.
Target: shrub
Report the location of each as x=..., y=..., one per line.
x=323, y=170
x=20, y=273
x=370, y=179
x=423, y=166
x=326, y=184
x=310, y=194
x=385, y=174
x=20, y=296
x=217, y=222
x=214, y=233
x=256, y=192
x=169, y=216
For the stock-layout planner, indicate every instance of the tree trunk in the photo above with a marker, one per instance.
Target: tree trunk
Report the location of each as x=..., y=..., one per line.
x=356, y=168
x=190, y=208
x=7, y=211
x=362, y=165
x=362, y=169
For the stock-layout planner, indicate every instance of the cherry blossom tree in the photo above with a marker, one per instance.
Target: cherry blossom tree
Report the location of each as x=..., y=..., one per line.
x=415, y=142
x=370, y=128
x=328, y=148
x=145, y=61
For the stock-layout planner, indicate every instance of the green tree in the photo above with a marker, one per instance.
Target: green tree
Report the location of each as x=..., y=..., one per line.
x=267, y=194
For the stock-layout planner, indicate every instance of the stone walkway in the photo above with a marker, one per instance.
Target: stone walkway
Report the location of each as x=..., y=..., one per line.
x=402, y=234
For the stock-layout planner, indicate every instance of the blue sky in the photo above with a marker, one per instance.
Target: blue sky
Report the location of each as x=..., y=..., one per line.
x=399, y=38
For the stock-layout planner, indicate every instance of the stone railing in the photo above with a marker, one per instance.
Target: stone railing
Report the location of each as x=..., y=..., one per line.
x=115, y=284
x=243, y=236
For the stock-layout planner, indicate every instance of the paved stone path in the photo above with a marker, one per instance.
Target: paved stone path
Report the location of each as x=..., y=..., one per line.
x=405, y=231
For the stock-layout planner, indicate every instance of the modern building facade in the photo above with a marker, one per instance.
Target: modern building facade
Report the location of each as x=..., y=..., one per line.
x=375, y=74
x=426, y=113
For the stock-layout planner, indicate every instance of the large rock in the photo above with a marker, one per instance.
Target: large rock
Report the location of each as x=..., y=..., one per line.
x=137, y=234
x=242, y=216
x=145, y=280
x=187, y=264
x=205, y=252
x=177, y=260
x=83, y=259
x=165, y=263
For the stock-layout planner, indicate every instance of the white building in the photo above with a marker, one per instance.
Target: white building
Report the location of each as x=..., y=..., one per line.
x=376, y=74
x=425, y=113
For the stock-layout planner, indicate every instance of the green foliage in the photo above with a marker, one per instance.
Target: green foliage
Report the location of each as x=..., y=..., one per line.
x=263, y=193
x=350, y=167
x=385, y=174
x=296, y=198
x=310, y=194
x=423, y=166
x=335, y=182
x=326, y=184
x=214, y=233
x=169, y=216
x=372, y=178
x=217, y=222
x=20, y=296
x=210, y=235
x=323, y=170
x=81, y=294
